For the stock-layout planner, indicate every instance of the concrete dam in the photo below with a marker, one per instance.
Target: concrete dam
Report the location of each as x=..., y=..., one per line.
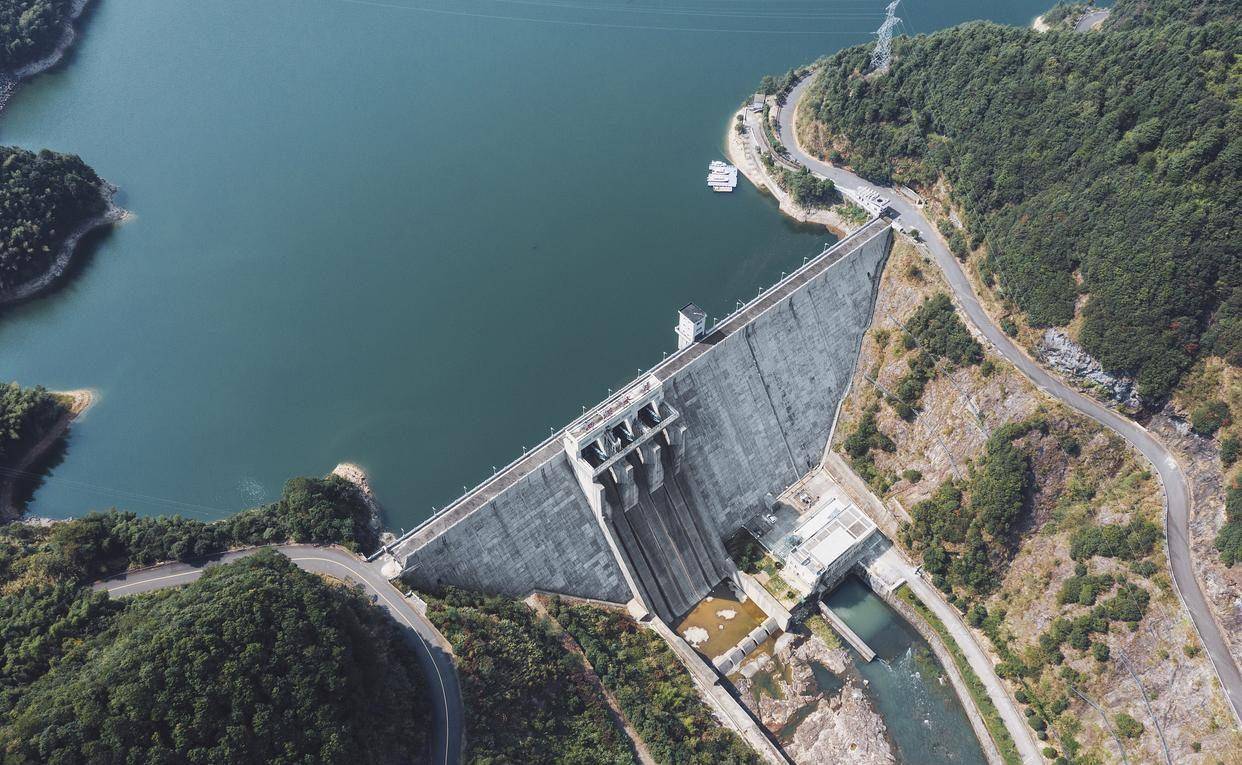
x=634, y=498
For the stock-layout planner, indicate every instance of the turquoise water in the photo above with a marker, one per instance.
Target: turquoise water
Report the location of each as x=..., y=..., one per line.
x=925, y=720
x=411, y=234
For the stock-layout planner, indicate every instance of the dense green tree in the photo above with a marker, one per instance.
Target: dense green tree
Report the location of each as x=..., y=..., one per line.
x=1112, y=158
x=312, y=510
x=319, y=510
x=966, y=529
x=43, y=198
x=653, y=689
x=937, y=329
x=527, y=699
x=25, y=416
x=256, y=662
x=998, y=494
x=1208, y=417
x=30, y=30
x=1131, y=541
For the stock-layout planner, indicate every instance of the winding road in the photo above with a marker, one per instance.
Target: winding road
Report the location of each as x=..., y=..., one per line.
x=1177, y=490
x=436, y=662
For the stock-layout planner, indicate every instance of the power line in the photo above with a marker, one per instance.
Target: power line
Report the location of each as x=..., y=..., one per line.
x=594, y=24
x=657, y=10
x=190, y=508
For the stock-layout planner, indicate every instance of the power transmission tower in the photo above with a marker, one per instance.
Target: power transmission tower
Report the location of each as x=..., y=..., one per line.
x=883, y=53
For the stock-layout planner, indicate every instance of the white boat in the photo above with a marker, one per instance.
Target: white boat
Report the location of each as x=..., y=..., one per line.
x=721, y=176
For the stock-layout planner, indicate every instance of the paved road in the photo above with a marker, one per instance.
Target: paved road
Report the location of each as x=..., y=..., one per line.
x=436, y=662
x=1015, y=721
x=1177, y=492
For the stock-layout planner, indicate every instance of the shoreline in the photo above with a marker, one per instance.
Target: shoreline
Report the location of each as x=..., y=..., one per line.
x=354, y=474
x=9, y=81
x=737, y=149
x=80, y=401
x=112, y=215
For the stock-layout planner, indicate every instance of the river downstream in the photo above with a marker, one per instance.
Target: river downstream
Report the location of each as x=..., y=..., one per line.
x=411, y=236
x=905, y=682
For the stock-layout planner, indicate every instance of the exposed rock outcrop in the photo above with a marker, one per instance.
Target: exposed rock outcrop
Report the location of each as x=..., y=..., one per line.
x=1059, y=351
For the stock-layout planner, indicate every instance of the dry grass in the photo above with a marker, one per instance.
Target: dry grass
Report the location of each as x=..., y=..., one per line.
x=1104, y=483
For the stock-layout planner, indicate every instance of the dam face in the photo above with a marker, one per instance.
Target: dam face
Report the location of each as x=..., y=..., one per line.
x=634, y=498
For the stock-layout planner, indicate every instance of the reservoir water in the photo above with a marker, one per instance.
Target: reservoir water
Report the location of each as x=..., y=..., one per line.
x=906, y=683
x=413, y=234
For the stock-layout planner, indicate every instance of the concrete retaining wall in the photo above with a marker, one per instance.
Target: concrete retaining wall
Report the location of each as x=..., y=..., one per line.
x=757, y=397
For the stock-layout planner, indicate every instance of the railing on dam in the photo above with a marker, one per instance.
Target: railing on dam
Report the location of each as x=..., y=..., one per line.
x=551, y=446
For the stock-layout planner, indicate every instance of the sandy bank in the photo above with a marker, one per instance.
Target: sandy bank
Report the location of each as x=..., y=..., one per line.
x=742, y=153
x=76, y=403
x=1039, y=25
x=113, y=214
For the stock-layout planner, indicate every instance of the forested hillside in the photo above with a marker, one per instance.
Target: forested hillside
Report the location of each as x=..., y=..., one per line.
x=1103, y=164
x=25, y=415
x=527, y=699
x=30, y=29
x=256, y=662
x=233, y=640
x=43, y=198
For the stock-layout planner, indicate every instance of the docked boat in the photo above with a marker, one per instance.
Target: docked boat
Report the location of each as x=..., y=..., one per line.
x=721, y=176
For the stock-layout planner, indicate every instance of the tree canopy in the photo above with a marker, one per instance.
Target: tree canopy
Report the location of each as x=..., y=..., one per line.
x=256, y=662
x=653, y=689
x=527, y=699
x=25, y=415
x=30, y=30
x=43, y=198
x=1104, y=163
x=312, y=510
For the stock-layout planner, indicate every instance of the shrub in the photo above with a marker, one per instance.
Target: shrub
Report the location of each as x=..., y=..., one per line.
x=1229, y=539
x=1127, y=726
x=1208, y=417
x=1230, y=446
x=1129, y=542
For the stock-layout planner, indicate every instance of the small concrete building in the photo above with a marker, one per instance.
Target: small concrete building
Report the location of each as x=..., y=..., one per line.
x=826, y=545
x=756, y=103
x=872, y=201
x=691, y=325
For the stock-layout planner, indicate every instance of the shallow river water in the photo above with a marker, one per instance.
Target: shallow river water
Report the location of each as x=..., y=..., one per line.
x=906, y=683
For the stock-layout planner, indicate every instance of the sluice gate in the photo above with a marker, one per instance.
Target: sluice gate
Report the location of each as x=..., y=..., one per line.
x=627, y=458
x=675, y=557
